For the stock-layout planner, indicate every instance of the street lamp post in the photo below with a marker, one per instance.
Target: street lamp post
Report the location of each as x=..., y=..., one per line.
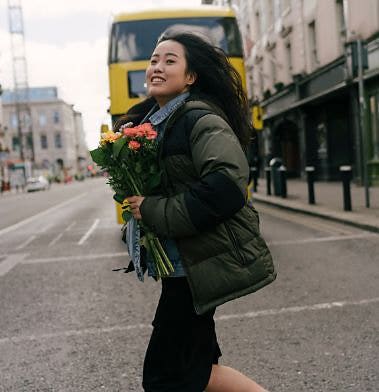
x=362, y=118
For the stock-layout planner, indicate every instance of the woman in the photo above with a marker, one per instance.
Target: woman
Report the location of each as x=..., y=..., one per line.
x=201, y=214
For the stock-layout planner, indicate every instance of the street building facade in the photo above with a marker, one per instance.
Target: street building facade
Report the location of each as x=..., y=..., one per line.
x=57, y=145
x=4, y=151
x=313, y=66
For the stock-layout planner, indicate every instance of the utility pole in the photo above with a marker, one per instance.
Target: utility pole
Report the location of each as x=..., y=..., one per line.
x=363, y=122
x=20, y=78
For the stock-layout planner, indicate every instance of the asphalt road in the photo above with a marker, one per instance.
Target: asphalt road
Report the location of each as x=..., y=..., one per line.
x=68, y=323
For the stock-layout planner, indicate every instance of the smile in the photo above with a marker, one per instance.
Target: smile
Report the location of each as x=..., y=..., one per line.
x=157, y=79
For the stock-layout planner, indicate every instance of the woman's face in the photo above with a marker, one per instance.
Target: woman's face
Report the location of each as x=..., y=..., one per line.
x=167, y=76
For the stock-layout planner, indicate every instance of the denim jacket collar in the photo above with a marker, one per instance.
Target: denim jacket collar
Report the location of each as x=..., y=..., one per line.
x=164, y=112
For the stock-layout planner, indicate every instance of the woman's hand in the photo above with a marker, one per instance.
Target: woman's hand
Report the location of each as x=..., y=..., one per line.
x=135, y=202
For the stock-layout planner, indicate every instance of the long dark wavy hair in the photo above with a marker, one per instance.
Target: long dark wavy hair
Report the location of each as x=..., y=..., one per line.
x=217, y=80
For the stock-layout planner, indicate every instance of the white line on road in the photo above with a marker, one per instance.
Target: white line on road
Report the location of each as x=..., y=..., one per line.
x=10, y=261
x=323, y=239
x=58, y=237
x=31, y=218
x=297, y=309
x=27, y=242
x=55, y=239
x=122, y=328
x=74, y=258
x=89, y=232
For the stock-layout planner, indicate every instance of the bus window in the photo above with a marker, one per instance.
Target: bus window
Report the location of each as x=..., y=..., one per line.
x=136, y=83
x=132, y=40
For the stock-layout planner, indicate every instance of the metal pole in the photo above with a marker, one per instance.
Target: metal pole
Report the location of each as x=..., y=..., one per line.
x=310, y=170
x=346, y=177
x=283, y=181
x=268, y=180
x=362, y=117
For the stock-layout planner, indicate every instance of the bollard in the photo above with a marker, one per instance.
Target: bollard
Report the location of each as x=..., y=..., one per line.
x=254, y=176
x=310, y=170
x=268, y=180
x=346, y=177
x=283, y=181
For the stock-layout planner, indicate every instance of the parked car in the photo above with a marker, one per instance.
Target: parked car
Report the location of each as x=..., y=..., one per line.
x=37, y=184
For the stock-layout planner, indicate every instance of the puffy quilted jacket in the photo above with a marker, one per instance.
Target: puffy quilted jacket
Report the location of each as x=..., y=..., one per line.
x=203, y=207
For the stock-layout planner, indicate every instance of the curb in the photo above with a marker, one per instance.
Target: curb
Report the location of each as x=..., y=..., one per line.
x=328, y=215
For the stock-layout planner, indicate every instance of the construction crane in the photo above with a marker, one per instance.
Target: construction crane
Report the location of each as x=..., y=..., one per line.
x=20, y=78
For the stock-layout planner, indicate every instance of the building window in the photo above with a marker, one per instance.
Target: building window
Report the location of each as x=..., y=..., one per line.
x=42, y=119
x=341, y=24
x=15, y=143
x=258, y=26
x=58, y=140
x=289, y=58
x=261, y=80
x=273, y=66
x=56, y=117
x=44, y=142
x=313, y=45
x=374, y=125
x=13, y=120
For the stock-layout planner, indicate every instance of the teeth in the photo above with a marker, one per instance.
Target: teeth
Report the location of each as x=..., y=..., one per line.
x=157, y=79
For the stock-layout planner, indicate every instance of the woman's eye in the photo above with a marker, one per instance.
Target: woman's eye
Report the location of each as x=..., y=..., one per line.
x=152, y=62
x=170, y=61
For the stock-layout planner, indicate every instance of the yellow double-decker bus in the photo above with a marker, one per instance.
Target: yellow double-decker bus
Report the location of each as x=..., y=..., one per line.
x=133, y=37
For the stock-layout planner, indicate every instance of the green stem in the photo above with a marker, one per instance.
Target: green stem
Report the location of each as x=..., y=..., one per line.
x=159, y=264
x=163, y=254
x=131, y=179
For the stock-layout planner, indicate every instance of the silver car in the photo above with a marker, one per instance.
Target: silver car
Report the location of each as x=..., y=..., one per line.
x=37, y=184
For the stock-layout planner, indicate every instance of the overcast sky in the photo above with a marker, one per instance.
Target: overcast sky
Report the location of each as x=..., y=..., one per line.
x=66, y=46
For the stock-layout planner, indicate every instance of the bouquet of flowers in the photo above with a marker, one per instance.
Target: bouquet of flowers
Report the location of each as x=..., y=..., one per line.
x=130, y=158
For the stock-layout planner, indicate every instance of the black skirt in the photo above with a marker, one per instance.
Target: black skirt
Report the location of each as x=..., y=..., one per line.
x=183, y=345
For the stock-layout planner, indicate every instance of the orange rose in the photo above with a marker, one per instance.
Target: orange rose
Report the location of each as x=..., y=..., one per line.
x=134, y=145
x=151, y=134
x=131, y=132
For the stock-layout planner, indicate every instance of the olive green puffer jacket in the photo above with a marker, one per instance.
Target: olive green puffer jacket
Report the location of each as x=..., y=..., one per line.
x=203, y=207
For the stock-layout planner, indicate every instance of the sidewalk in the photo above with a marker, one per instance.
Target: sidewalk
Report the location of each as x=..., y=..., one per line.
x=329, y=202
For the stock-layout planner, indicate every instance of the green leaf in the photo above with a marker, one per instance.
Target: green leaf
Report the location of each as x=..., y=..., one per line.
x=126, y=216
x=98, y=156
x=117, y=146
x=138, y=168
x=153, y=168
x=153, y=181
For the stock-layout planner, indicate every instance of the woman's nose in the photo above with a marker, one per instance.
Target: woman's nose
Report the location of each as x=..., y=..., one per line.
x=158, y=67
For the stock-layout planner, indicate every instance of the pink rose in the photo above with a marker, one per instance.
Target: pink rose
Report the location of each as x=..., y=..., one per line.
x=134, y=145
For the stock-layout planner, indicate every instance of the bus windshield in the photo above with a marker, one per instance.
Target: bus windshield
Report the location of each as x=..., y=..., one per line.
x=132, y=40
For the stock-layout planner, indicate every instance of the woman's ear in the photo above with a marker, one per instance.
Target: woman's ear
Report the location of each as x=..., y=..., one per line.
x=191, y=78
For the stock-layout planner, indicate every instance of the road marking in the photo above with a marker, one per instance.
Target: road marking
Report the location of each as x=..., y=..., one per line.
x=89, y=232
x=322, y=239
x=31, y=218
x=74, y=332
x=10, y=261
x=27, y=242
x=58, y=237
x=297, y=309
x=123, y=328
x=74, y=258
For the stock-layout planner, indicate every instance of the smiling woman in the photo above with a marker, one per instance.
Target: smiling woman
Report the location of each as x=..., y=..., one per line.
x=199, y=212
